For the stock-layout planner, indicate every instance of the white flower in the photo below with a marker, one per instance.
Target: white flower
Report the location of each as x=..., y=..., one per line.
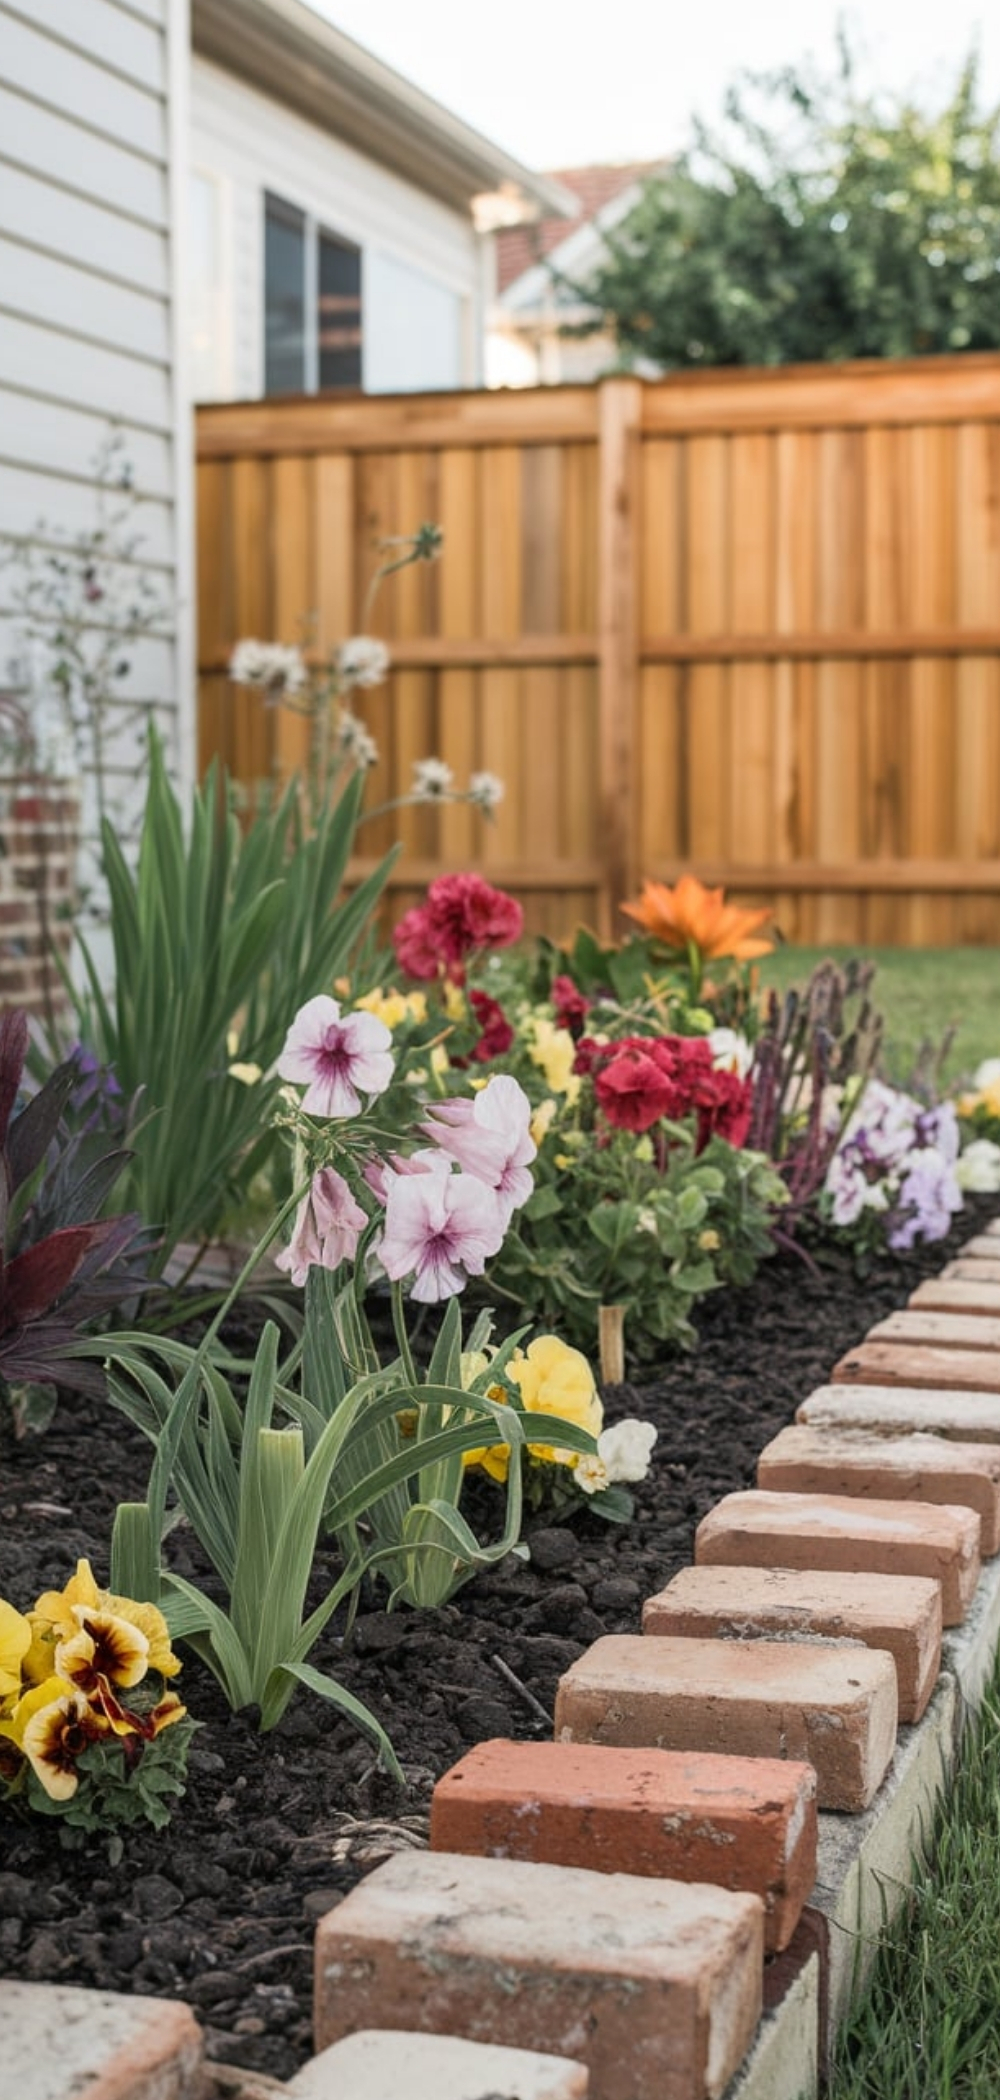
x=354, y=741
x=432, y=780
x=625, y=1449
x=987, y=1074
x=486, y=791
x=362, y=661
x=277, y=668
x=730, y=1051
x=978, y=1168
x=590, y=1474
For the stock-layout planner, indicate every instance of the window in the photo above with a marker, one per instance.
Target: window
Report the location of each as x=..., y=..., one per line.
x=312, y=305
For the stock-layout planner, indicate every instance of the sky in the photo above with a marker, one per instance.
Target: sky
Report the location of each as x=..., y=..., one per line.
x=560, y=83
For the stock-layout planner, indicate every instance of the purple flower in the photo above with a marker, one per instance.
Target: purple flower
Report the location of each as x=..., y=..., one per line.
x=440, y=1227
x=336, y=1059
x=929, y=1195
x=939, y=1127
x=489, y=1137
x=328, y=1225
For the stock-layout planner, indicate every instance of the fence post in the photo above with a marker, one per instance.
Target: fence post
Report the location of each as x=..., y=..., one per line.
x=619, y=427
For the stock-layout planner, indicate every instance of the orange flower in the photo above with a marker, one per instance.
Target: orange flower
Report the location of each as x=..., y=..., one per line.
x=690, y=916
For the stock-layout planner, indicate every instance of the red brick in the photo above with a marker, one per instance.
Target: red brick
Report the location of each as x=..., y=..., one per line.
x=971, y=1418
x=380, y=2065
x=59, y=2039
x=982, y=1271
x=981, y=1247
x=941, y=1330
x=743, y=1823
x=918, y=1468
x=918, y=1363
x=763, y=1530
x=959, y=1294
x=827, y=1704
x=655, y=1985
x=898, y=1613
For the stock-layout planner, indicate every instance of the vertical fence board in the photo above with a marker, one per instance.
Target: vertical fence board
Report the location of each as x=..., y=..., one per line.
x=746, y=622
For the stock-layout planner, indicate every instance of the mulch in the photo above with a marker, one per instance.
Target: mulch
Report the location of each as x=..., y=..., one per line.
x=274, y=1830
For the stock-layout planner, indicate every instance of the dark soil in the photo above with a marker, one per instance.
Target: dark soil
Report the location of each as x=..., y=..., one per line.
x=275, y=1829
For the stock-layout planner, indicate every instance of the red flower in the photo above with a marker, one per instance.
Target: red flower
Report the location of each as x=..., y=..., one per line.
x=413, y=940
x=633, y=1089
x=462, y=913
x=497, y=1033
x=590, y=1056
x=722, y=1102
x=571, y=1008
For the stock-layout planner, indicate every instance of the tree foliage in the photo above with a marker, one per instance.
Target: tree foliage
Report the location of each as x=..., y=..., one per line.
x=823, y=221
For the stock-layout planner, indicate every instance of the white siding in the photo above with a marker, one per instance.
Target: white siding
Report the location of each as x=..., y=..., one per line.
x=251, y=144
x=93, y=154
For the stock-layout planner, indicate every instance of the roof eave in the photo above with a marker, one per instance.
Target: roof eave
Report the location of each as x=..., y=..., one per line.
x=283, y=48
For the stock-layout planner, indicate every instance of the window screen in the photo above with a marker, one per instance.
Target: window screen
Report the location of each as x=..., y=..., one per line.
x=284, y=298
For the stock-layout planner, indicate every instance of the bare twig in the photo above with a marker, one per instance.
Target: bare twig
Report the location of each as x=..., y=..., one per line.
x=522, y=1690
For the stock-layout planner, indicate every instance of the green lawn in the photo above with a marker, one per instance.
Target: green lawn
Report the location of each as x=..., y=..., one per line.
x=928, y=2026
x=922, y=992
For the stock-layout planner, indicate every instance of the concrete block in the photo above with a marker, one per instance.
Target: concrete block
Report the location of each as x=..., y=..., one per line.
x=917, y=1468
x=899, y=1613
x=830, y=1706
x=866, y=1861
x=655, y=1985
x=886, y=1410
x=843, y=1532
x=741, y=1822
x=783, y=2063
x=941, y=1330
x=920, y=1364
x=58, y=2042
x=381, y=2065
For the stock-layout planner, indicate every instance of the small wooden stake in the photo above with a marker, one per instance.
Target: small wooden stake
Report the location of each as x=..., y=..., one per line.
x=611, y=1333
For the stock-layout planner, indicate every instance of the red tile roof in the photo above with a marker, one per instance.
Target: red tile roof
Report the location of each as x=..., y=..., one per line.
x=520, y=247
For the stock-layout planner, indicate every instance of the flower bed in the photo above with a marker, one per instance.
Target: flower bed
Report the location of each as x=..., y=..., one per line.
x=275, y=1828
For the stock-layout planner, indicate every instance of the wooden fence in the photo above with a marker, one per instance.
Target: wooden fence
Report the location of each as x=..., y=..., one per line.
x=746, y=623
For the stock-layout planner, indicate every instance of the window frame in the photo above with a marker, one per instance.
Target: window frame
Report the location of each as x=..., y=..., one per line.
x=314, y=228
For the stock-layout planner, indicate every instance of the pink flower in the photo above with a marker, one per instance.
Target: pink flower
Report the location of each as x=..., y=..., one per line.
x=497, y=1033
x=490, y=1138
x=328, y=1225
x=336, y=1059
x=440, y=1227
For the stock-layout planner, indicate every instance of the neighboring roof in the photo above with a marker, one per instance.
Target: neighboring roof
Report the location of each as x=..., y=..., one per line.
x=294, y=54
x=519, y=248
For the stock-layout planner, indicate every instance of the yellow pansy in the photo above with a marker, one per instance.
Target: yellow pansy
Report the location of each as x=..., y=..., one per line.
x=552, y=1379
x=15, y=1641
x=454, y=1001
x=440, y=1061
x=55, y=1723
x=553, y=1050
x=57, y=1617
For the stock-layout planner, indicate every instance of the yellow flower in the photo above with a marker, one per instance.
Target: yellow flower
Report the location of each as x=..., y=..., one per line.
x=57, y=1617
x=105, y=1646
x=393, y=1007
x=541, y=1122
x=440, y=1061
x=563, y=1160
x=553, y=1050
x=51, y=1725
x=15, y=1641
x=709, y=1241
x=454, y=1001
x=552, y=1379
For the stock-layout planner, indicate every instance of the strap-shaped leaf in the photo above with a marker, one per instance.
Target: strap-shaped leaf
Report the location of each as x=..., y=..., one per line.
x=282, y=1683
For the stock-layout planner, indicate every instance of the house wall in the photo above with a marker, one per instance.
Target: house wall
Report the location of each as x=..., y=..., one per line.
x=422, y=270
x=92, y=129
